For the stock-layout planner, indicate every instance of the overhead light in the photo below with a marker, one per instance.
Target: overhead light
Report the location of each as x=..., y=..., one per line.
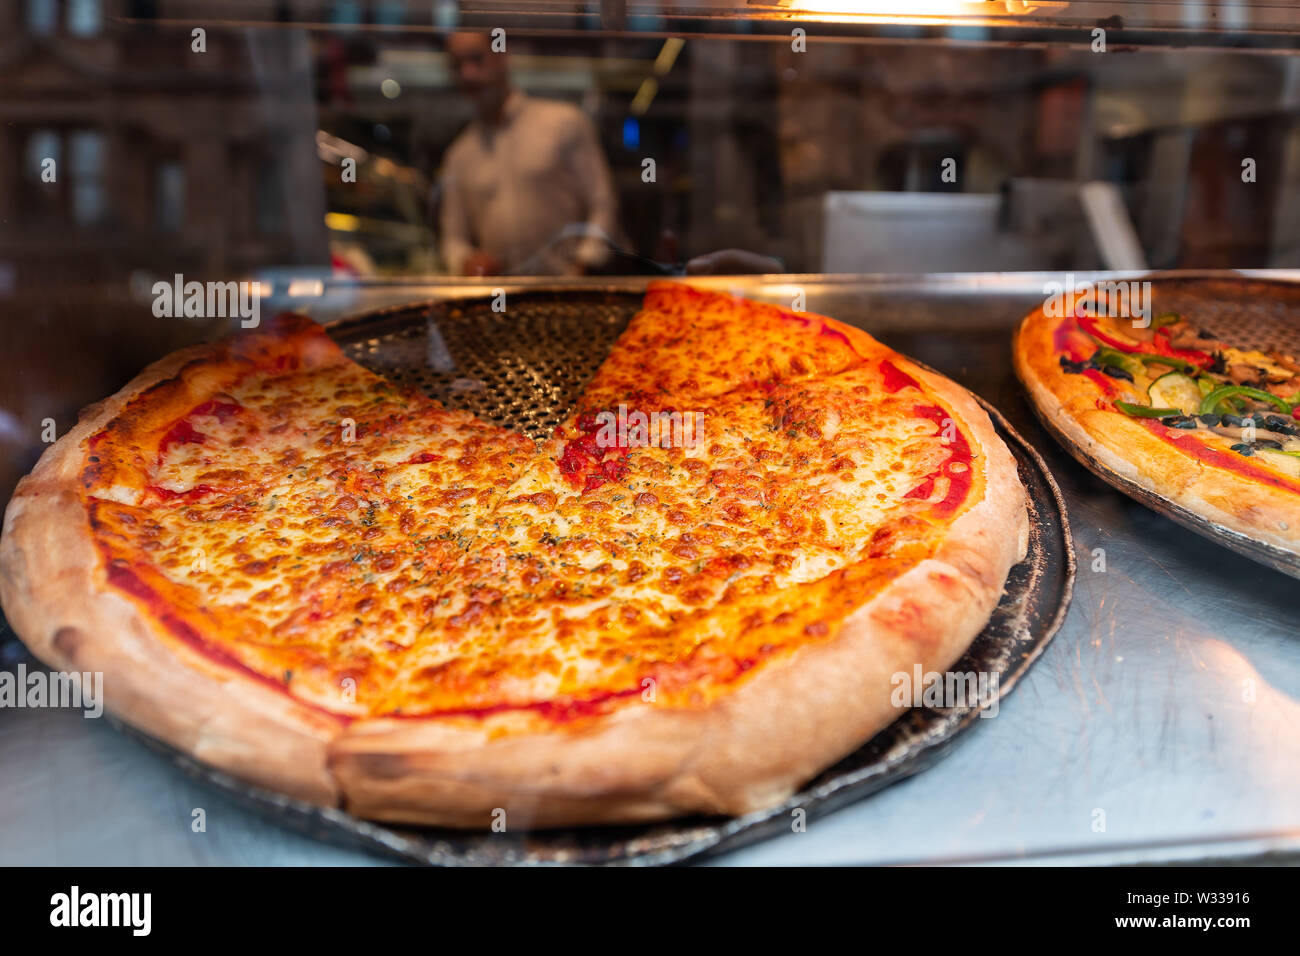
x=644, y=96
x=342, y=222
x=917, y=11
x=305, y=288
x=919, y=8
x=668, y=55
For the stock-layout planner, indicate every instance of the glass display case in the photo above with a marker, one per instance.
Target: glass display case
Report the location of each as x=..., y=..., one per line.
x=926, y=170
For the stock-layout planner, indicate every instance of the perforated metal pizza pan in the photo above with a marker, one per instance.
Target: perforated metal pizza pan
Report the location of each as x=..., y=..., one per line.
x=524, y=369
x=1251, y=314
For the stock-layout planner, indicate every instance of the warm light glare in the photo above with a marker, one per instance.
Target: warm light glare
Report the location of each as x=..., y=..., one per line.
x=305, y=288
x=644, y=96
x=668, y=55
x=342, y=222
x=916, y=11
x=891, y=8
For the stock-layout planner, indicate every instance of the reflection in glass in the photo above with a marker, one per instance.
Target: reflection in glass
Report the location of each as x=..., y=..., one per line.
x=83, y=17
x=42, y=144
x=42, y=17
x=169, y=196
x=87, y=158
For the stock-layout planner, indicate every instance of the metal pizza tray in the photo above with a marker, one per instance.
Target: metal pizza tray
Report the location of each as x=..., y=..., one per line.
x=523, y=368
x=1250, y=313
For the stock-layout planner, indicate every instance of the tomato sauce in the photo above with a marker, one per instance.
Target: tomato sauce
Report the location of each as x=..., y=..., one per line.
x=124, y=578
x=587, y=464
x=166, y=494
x=958, y=468
x=559, y=711
x=1101, y=381
x=1070, y=341
x=1228, y=460
x=184, y=433
x=895, y=380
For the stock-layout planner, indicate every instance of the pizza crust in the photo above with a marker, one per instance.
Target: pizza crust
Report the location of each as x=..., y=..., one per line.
x=55, y=595
x=1122, y=445
x=747, y=750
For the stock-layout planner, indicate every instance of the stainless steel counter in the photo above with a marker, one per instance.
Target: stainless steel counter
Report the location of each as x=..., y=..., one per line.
x=1161, y=724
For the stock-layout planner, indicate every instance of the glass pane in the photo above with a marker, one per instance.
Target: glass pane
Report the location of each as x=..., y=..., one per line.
x=269, y=195
x=389, y=12
x=87, y=148
x=87, y=203
x=83, y=17
x=345, y=11
x=42, y=16
x=42, y=145
x=169, y=196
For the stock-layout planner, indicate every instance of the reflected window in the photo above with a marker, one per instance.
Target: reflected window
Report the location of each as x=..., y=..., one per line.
x=42, y=145
x=66, y=168
x=42, y=17
x=269, y=195
x=169, y=196
x=86, y=159
x=83, y=17
x=389, y=13
x=345, y=11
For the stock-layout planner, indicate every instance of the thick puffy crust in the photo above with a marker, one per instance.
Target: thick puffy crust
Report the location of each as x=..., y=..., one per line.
x=748, y=748
x=1076, y=408
x=54, y=593
x=741, y=750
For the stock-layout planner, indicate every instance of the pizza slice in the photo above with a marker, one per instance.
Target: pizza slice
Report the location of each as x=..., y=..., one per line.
x=285, y=512
x=688, y=344
x=1166, y=404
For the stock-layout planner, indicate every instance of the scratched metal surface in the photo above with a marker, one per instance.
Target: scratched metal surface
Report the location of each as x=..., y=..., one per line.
x=1169, y=701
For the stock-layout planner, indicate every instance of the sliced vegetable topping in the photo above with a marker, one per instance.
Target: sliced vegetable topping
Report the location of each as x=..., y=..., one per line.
x=1187, y=388
x=1146, y=411
x=1159, y=344
x=1117, y=364
x=1174, y=363
x=1210, y=404
x=1176, y=390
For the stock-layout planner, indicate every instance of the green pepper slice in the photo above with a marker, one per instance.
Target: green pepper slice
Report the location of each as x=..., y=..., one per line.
x=1181, y=365
x=1212, y=400
x=1129, y=363
x=1146, y=411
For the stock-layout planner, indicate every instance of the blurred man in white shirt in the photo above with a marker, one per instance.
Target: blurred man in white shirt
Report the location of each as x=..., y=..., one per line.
x=526, y=188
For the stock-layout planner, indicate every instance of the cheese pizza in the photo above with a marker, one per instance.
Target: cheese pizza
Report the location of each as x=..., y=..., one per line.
x=690, y=598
